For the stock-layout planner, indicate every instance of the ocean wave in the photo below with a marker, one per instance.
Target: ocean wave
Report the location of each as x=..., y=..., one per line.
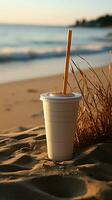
x=48, y=42
x=27, y=55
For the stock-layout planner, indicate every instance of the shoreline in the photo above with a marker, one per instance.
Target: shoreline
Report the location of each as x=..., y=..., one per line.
x=20, y=105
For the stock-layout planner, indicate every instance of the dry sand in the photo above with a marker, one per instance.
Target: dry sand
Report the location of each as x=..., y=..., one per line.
x=27, y=173
x=25, y=170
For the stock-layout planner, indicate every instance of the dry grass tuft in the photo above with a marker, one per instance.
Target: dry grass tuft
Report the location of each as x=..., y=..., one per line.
x=94, y=122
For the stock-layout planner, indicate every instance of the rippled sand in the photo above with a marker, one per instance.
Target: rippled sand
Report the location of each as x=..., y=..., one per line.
x=27, y=173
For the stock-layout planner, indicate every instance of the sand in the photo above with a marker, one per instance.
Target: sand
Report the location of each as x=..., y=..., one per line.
x=25, y=170
x=20, y=104
x=27, y=173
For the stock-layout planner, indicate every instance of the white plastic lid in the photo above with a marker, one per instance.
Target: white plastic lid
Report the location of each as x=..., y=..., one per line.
x=52, y=97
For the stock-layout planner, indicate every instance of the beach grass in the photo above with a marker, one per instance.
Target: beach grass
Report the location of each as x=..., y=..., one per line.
x=94, y=123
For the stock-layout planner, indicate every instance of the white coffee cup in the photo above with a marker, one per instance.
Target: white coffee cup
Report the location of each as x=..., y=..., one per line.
x=60, y=114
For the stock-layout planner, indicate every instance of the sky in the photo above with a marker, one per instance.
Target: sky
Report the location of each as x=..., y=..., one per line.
x=52, y=12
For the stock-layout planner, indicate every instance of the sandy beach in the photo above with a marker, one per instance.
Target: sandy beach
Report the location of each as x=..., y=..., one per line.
x=64, y=49
x=25, y=170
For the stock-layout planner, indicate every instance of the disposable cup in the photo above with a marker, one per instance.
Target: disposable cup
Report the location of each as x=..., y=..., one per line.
x=60, y=114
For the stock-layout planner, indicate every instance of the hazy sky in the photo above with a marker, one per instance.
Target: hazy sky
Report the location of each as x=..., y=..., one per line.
x=51, y=11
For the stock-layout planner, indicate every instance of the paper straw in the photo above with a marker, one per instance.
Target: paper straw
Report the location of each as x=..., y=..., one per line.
x=67, y=62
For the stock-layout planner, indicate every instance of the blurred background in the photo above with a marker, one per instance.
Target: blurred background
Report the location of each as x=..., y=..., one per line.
x=33, y=36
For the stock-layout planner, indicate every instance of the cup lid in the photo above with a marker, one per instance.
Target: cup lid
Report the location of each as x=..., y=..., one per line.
x=55, y=97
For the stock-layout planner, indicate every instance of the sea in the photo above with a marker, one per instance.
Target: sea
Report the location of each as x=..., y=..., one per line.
x=32, y=51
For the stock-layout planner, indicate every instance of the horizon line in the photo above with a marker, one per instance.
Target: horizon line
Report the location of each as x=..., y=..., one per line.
x=33, y=24
x=50, y=25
